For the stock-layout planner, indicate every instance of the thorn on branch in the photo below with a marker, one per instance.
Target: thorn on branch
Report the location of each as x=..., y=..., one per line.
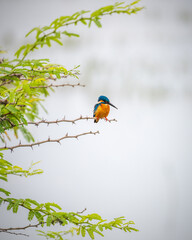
x=63, y=120
x=50, y=140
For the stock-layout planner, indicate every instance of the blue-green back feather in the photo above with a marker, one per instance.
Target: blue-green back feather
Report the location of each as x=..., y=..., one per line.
x=95, y=108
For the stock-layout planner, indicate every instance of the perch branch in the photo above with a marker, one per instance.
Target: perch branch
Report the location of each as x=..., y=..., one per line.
x=64, y=120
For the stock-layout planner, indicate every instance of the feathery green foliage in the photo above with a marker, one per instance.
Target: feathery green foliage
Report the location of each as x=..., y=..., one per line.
x=24, y=84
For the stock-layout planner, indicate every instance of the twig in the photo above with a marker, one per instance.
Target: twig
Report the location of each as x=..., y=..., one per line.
x=63, y=120
x=59, y=85
x=55, y=85
x=20, y=228
x=8, y=230
x=4, y=83
x=5, y=102
x=21, y=234
x=81, y=211
x=48, y=140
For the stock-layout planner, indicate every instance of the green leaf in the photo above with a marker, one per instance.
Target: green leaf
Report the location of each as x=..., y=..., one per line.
x=10, y=206
x=83, y=232
x=27, y=204
x=90, y=21
x=12, y=109
x=27, y=135
x=83, y=21
x=48, y=42
x=101, y=234
x=100, y=228
x=12, y=96
x=54, y=205
x=97, y=22
x=56, y=40
x=38, y=215
x=23, y=119
x=32, y=30
x=1, y=200
x=17, y=54
x=69, y=34
x=31, y=215
x=135, y=2
x=16, y=206
x=95, y=13
x=90, y=232
x=107, y=8
x=3, y=178
x=5, y=191
x=49, y=220
x=32, y=201
x=94, y=216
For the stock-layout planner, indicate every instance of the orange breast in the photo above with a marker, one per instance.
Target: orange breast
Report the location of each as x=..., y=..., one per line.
x=102, y=111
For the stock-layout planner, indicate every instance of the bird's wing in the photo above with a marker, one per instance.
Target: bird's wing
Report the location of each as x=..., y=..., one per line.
x=95, y=108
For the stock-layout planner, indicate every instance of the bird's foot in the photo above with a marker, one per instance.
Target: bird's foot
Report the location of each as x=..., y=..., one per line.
x=106, y=119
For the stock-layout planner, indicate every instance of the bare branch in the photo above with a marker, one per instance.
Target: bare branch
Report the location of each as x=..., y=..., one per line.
x=60, y=85
x=9, y=230
x=48, y=140
x=19, y=228
x=55, y=85
x=64, y=120
x=81, y=211
x=14, y=233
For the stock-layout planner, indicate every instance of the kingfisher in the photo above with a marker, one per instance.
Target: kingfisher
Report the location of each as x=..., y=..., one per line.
x=102, y=108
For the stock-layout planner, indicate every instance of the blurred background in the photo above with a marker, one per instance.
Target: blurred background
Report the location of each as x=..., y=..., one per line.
x=139, y=167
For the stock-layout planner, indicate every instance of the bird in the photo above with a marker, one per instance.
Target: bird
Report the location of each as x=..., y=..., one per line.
x=102, y=108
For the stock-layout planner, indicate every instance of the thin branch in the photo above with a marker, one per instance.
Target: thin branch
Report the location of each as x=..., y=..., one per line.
x=81, y=211
x=54, y=85
x=59, y=85
x=5, y=102
x=14, y=233
x=9, y=230
x=4, y=83
x=64, y=120
x=48, y=140
x=20, y=228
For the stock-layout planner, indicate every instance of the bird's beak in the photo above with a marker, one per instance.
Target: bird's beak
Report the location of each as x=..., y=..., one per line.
x=112, y=105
